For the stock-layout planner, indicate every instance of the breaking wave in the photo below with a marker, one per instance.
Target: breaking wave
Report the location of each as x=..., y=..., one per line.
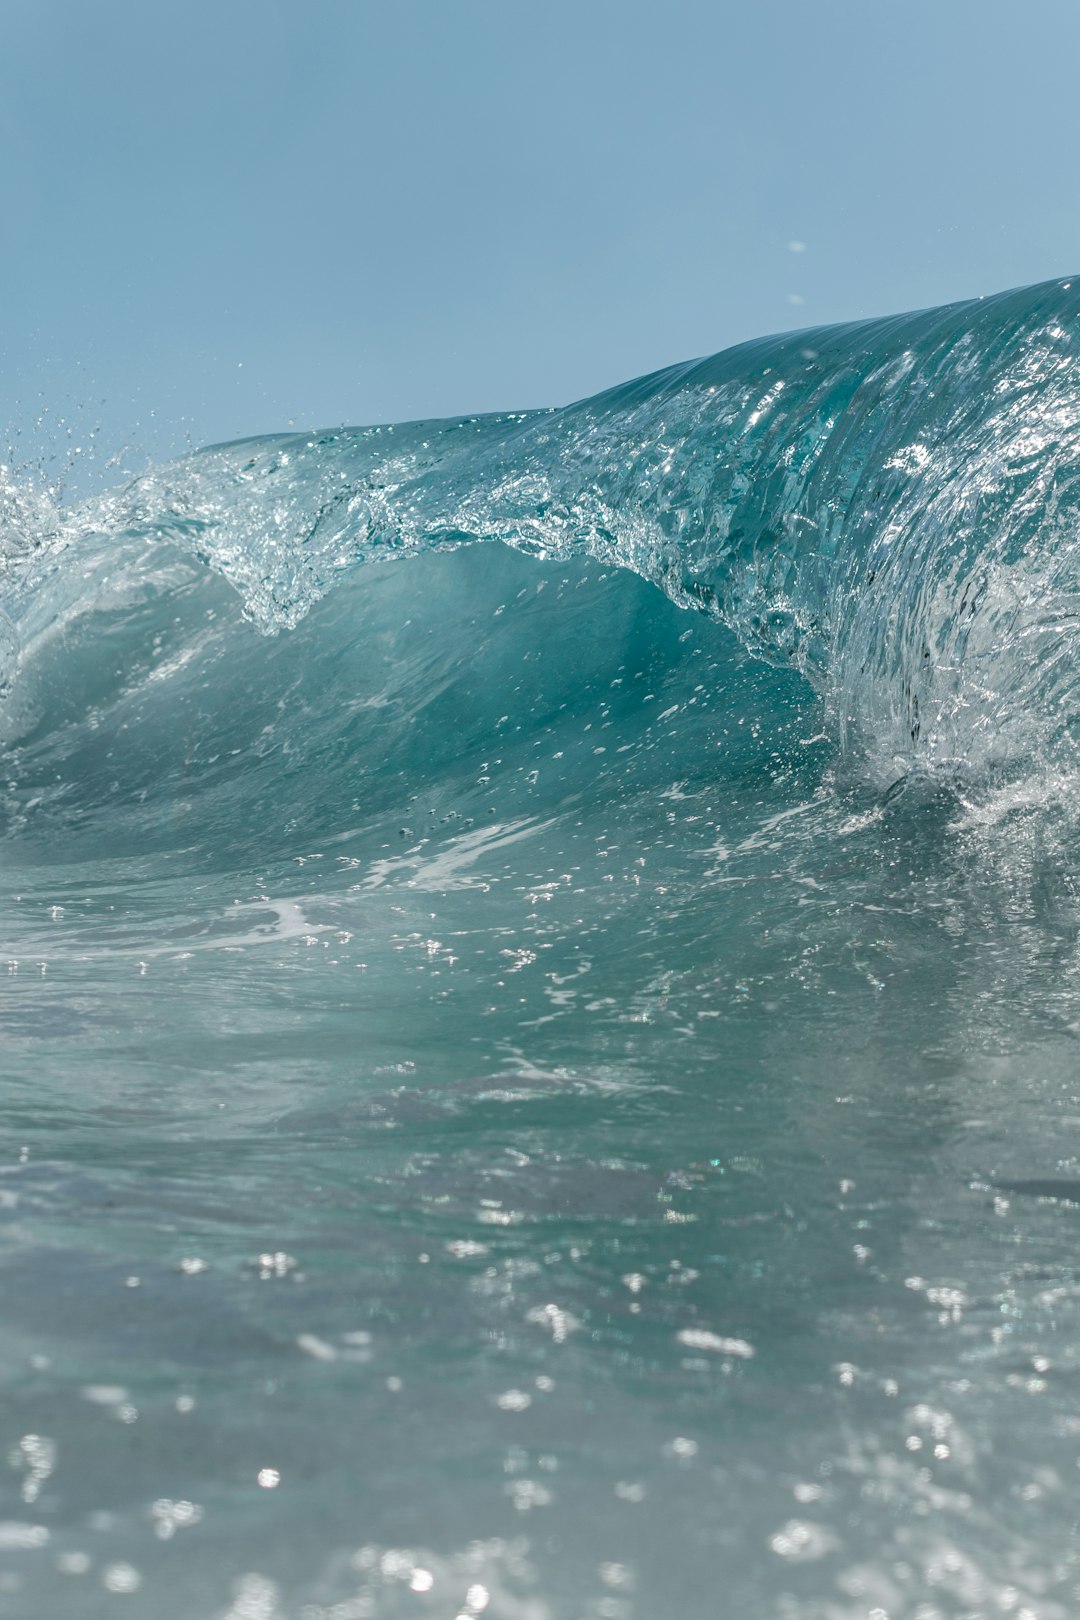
x=545, y=1076
x=890, y=506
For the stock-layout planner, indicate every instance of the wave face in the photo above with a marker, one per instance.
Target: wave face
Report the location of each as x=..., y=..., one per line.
x=543, y=1079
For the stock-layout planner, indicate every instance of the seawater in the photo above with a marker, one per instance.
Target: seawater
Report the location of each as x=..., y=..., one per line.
x=539, y=1000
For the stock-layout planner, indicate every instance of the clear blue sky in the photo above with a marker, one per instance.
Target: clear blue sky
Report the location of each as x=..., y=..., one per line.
x=239, y=214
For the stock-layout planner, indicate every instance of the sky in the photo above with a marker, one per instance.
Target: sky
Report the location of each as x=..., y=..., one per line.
x=220, y=219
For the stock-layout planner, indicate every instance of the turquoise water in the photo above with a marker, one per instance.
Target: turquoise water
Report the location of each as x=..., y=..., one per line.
x=540, y=1073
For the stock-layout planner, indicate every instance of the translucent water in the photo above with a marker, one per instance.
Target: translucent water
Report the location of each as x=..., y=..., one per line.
x=535, y=1095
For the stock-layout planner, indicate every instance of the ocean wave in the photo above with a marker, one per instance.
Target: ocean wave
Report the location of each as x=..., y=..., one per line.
x=891, y=506
x=559, y=1056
